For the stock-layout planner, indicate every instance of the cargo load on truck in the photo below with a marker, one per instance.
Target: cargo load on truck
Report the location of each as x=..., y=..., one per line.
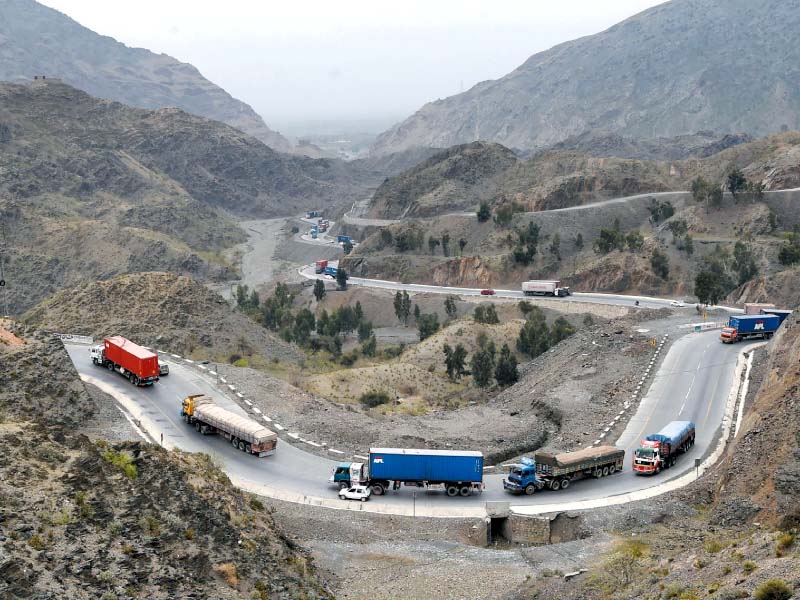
x=456, y=472
x=660, y=450
x=341, y=239
x=545, y=288
x=743, y=327
x=558, y=471
x=136, y=363
x=244, y=433
x=754, y=308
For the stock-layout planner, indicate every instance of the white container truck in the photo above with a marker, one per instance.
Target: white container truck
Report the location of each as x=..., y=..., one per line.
x=544, y=288
x=245, y=434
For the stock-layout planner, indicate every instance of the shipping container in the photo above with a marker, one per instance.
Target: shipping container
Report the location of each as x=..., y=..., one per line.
x=781, y=314
x=752, y=308
x=425, y=465
x=742, y=327
x=137, y=364
x=544, y=288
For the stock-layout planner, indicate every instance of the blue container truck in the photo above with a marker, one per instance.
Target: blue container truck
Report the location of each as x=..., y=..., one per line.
x=341, y=239
x=330, y=271
x=660, y=450
x=781, y=314
x=456, y=472
x=558, y=471
x=742, y=327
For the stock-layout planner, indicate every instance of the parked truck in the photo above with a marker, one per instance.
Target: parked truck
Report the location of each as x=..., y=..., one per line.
x=313, y=214
x=544, y=288
x=558, y=471
x=139, y=365
x=319, y=266
x=742, y=327
x=247, y=435
x=660, y=450
x=456, y=472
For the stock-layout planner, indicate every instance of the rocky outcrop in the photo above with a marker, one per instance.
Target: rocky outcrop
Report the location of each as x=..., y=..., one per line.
x=665, y=72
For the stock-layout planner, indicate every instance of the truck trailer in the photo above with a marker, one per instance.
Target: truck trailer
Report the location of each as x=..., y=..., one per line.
x=558, y=471
x=245, y=434
x=660, y=450
x=341, y=239
x=137, y=364
x=754, y=308
x=456, y=472
x=781, y=314
x=319, y=266
x=742, y=327
x=545, y=288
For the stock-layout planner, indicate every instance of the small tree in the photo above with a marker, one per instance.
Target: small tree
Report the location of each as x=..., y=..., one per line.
x=579, y=241
x=319, y=290
x=736, y=182
x=359, y=311
x=773, y=589
x=364, y=331
x=482, y=365
x=427, y=324
x=525, y=307
x=660, y=263
x=450, y=307
x=304, y=324
x=503, y=215
x=417, y=312
x=402, y=306
x=555, y=245
x=341, y=278
x=486, y=314
x=634, y=240
x=715, y=197
x=484, y=212
x=744, y=262
x=446, y=244
x=534, y=337
x=461, y=245
x=560, y=330
x=455, y=361
x=369, y=347
x=347, y=247
x=432, y=243
x=688, y=244
x=708, y=287
x=505, y=373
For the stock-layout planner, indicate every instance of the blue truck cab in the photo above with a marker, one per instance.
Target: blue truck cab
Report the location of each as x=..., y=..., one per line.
x=330, y=271
x=522, y=478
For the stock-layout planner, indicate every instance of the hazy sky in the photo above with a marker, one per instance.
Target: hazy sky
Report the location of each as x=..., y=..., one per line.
x=347, y=59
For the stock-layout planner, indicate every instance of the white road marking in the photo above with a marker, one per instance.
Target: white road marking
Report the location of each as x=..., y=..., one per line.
x=279, y=427
x=256, y=410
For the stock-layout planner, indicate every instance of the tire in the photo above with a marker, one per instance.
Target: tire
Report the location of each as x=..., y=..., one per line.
x=248, y=448
x=135, y=380
x=342, y=485
x=452, y=491
x=605, y=471
x=242, y=445
x=530, y=489
x=598, y=473
x=555, y=485
x=465, y=491
x=235, y=442
x=377, y=489
x=341, y=497
x=364, y=499
x=612, y=469
x=658, y=469
x=565, y=484
x=197, y=426
x=110, y=366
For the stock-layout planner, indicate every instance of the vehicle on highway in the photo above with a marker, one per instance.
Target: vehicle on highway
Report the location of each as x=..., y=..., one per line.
x=163, y=369
x=357, y=492
x=660, y=450
x=677, y=303
x=319, y=266
x=755, y=308
x=558, y=471
x=332, y=271
x=455, y=472
x=247, y=435
x=743, y=327
x=137, y=364
x=551, y=287
x=487, y=292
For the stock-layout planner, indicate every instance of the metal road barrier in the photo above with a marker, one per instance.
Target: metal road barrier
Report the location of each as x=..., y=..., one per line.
x=74, y=339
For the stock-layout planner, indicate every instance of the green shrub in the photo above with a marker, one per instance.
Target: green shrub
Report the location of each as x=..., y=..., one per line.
x=374, y=398
x=713, y=546
x=785, y=541
x=749, y=566
x=774, y=589
x=256, y=504
x=242, y=362
x=36, y=542
x=123, y=461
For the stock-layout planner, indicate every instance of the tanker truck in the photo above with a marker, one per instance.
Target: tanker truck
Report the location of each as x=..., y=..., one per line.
x=209, y=418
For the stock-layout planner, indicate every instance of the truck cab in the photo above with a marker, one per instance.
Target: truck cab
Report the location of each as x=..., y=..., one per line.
x=97, y=354
x=522, y=478
x=649, y=457
x=347, y=474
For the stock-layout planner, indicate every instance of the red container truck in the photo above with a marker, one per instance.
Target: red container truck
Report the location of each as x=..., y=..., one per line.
x=139, y=365
x=320, y=265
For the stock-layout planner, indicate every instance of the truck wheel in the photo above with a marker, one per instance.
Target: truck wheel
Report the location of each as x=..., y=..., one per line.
x=248, y=448
x=658, y=469
x=110, y=366
x=465, y=491
x=452, y=490
x=612, y=469
x=377, y=489
x=605, y=471
x=343, y=486
x=135, y=380
x=530, y=489
x=555, y=485
x=364, y=499
x=598, y=473
x=235, y=442
x=197, y=425
x=241, y=445
x=565, y=484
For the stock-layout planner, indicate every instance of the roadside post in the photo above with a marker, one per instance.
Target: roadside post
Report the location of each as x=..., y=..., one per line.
x=697, y=462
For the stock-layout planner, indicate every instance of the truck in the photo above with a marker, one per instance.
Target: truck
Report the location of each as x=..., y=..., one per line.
x=660, y=450
x=781, y=314
x=545, y=288
x=753, y=308
x=332, y=271
x=558, y=471
x=313, y=233
x=313, y=214
x=341, y=239
x=455, y=472
x=742, y=327
x=137, y=364
x=209, y=418
x=319, y=266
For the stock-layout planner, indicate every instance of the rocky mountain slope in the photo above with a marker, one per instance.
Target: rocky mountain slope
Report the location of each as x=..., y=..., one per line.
x=93, y=188
x=89, y=520
x=680, y=67
x=162, y=310
x=37, y=40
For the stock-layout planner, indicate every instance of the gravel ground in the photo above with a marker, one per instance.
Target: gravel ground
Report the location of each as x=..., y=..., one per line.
x=108, y=422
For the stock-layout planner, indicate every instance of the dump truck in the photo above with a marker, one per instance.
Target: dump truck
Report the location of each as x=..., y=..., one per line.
x=754, y=308
x=319, y=266
x=660, y=450
x=558, y=471
x=455, y=472
x=743, y=327
x=137, y=364
x=208, y=418
x=545, y=288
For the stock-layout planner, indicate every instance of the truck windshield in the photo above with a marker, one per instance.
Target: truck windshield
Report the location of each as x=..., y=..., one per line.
x=645, y=452
x=515, y=471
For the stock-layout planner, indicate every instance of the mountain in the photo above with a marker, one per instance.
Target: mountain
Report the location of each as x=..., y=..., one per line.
x=36, y=40
x=91, y=189
x=684, y=66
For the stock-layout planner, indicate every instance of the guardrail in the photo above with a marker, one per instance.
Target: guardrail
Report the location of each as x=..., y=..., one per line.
x=75, y=339
x=705, y=326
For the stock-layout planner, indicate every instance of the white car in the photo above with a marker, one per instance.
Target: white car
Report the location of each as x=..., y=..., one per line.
x=357, y=492
x=678, y=303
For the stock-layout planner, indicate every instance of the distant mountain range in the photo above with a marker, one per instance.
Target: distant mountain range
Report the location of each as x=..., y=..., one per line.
x=729, y=66
x=37, y=40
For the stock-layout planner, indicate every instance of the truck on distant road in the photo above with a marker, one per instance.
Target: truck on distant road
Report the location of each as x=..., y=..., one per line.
x=544, y=288
x=753, y=308
x=245, y=434
x=319, y=266
x=313, y=214
x=742, y=327
x=139, y=365
x=341, y=239
x=660, y=450
x=332, y=271
x=456, y=472
x=558, y=471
